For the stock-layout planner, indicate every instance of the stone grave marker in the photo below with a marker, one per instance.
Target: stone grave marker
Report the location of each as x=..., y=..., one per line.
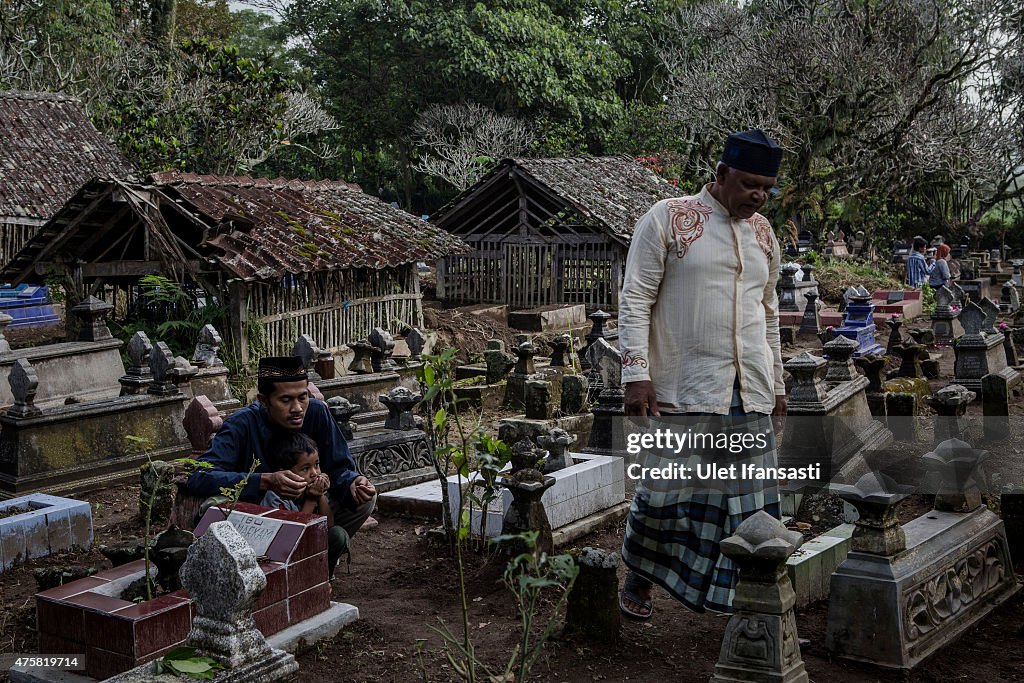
x=24, y=385
x=537, y=399
x=361, y=364
x=306, y=350
x=950, y=405
x=93, y=313
x=161, y=366
x=383, y=345
x=400, y=401
x=592, y=609
x=205, y=355
x=5, y=320
x=416, y=341
x=138, y=376
x=499, y=363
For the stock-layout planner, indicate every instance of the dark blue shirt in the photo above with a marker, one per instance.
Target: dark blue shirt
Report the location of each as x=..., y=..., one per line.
x=245, y=437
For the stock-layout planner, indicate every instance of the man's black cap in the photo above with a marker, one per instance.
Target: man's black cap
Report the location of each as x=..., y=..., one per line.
x=282, y=369
x=754, y=152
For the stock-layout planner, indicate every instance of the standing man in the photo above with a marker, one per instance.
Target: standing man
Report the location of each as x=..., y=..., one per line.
x=283, y=407
x=699, y=335
x=917, y=268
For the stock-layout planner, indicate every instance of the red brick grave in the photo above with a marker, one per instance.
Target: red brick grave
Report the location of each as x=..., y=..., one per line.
x=88, y=616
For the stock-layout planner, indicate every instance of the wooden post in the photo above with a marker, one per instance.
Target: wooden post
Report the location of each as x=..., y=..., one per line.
x=237, y=299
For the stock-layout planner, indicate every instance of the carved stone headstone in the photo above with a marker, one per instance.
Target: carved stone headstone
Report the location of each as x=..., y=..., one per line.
x=161, y=366
x=605, y=434
x=1009, y=348
x=995, y=402
x=24, y=385
x=559, y=347
x=810, y=324
x=400, y=402
x=416, y=341
x=895, y=335
x=873, y=366
x=959, y=295
x=170, y=550
x=499, y=363
x=93, y=313
x=383, y=346
x=524, y=355
x=537, y=399
x=991, y=311
x=361, y=364
x=556, y=442
x=911, y=355
x=205, y=355
x=840, y=360
x=956, y=463
x=306, y=350
x=224, y=580
x=876, y=498
x=5, y=320
x=807, y=372
x=592, y=608
x=599, y=319
x=950, y=405
x=526, y=513
x=342, y=411
x=137, y=377
x=201, y=422
x=1009, y=299
x=760, y=641
x=574, y=394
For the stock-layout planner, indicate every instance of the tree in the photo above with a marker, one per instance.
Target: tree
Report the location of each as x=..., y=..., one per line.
x=872, y=99
x=460, y=141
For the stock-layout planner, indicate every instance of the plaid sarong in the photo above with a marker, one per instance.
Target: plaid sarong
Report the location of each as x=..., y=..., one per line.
x=674, y=529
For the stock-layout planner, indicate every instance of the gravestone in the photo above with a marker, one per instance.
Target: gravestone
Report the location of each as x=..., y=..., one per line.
x=592, y=608
x=794, y=284
x=306, y=350
x=901, y=411
x=911, y=354
x=979, y=354
x=574, y=394
x=537, y=399
x=959, y=296
x=201, y=422
x=224, y=580
x=161, y=366
x=810, y=324
x=400, y=402
x=605, y=435
x=950, y=405
x=1017, y=278
x=416, y=341
x=991, y=311
x=499, y=363
x=560, y=346
x=1009, y=348
x=944, y=319
x=927, y=582
x=995, y=398
x=342, y=411
x=205, y=355
x=515, y=388
x=526, y=513
x=24, y=385
x=1009, y=299
x=859, y=323
x=361, y=364
x=382, y=346
x=556, y=442
x=599, y=319
x=92, y=312
x=137, y=375
x=761, y=641
x=873, y=366
x=840, y=360
x=895, y=336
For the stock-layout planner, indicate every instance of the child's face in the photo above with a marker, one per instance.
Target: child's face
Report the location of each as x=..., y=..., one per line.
x=307, y=466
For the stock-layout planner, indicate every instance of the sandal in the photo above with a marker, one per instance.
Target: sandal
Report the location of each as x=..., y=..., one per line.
x=631, y=588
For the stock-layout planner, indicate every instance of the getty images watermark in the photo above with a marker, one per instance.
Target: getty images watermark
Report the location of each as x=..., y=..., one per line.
x=701, y=454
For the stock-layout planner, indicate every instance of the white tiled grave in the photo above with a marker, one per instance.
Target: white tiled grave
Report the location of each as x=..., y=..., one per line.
x=44, y=525
x=592, y=484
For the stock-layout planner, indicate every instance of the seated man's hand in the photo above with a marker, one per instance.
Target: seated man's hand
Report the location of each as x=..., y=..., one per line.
x=362, y=490
x=284, y=483
x=641, y=401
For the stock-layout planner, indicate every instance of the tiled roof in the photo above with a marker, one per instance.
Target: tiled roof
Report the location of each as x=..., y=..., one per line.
x=48, y=150
x=274, y=227
x=613, y=191
x=617, y=191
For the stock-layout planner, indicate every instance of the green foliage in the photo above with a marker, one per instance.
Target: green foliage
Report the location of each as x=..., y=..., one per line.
x=186, y=662
x=834, y=275
x=170, y=313
x=927, y=298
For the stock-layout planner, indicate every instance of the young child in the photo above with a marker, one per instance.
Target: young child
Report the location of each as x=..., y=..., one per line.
x=298, y=453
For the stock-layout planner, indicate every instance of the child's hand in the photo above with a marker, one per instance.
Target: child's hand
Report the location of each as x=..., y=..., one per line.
x=319, y=486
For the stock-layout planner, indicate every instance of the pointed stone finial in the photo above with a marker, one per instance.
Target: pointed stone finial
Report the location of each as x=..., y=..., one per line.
x=556, y=442
x=944, y=300
x=762, y=606
x=361, y=364
x=207, y=346
x=137, y=376
x=416, y=341
x=201, y=421
x=161, y=366
x=956, y=463
x=559, y=346
x=599, y=318
x=306, y=350
x=24, y=384
x=876, y=498
x=93, y=313
x=840, y=359
x=342, y=411
x=400, y=402
x=525, y=353
x=383, y=345
x=807, y=371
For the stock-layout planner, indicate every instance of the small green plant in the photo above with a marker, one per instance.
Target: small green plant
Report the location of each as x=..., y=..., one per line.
x=187, y=663
x=229, y=495
x=927, y=298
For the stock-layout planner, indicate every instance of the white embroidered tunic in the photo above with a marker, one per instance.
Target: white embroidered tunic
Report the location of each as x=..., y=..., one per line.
x=698, y=308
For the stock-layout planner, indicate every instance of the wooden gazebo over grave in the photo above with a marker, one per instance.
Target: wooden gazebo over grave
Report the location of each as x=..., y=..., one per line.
x=547, y=231
x=289, y=256
x=48, y=149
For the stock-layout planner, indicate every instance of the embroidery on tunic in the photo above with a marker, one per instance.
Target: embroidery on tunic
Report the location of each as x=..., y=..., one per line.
x=763, y=233
x=687, y=216
x=630, y=358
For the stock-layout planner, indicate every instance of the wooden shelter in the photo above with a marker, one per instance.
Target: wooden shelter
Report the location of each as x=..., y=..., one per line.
x=547, y=231
x=289, y=256
x=48, y=149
